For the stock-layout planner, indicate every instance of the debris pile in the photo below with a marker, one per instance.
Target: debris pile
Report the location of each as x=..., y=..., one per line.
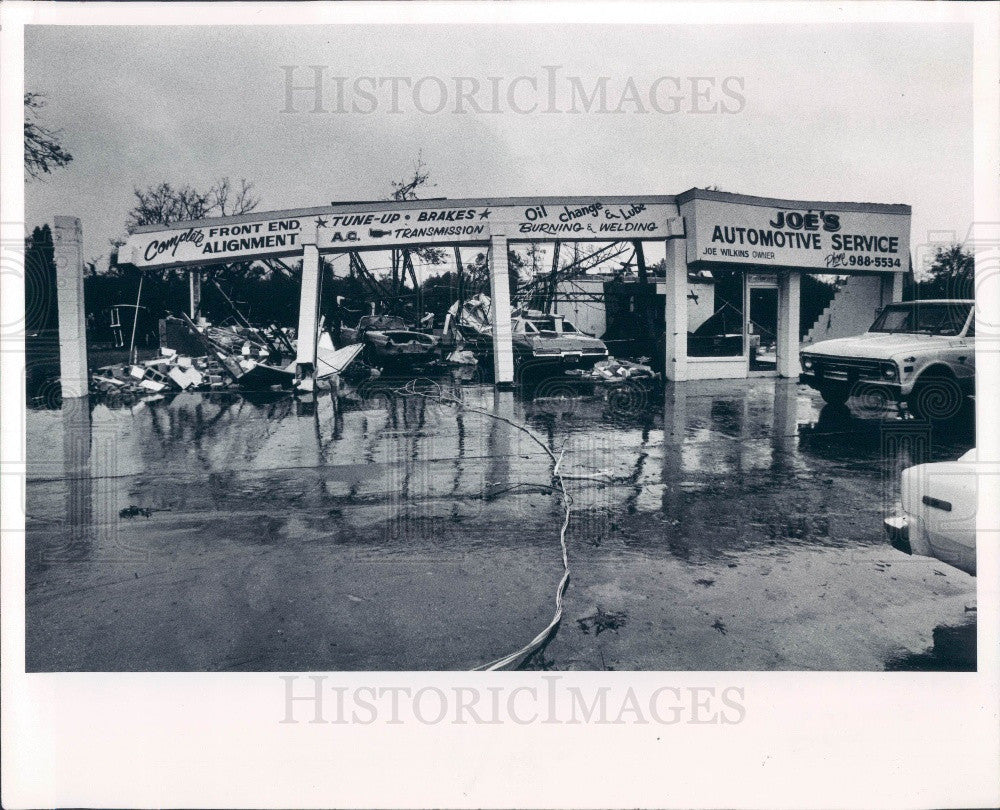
x=613, y=370
x=475, y=318
x=221, y=357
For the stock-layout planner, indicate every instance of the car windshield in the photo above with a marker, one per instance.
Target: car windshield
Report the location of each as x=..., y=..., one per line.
x=940, y=318
x=549, y=325
x=544, y=325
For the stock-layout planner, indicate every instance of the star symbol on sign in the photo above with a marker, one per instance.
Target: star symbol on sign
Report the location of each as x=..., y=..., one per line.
x=320, y=222
x=485, y=214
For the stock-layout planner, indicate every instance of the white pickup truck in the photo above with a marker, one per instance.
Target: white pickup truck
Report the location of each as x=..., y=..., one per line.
x=918, y=352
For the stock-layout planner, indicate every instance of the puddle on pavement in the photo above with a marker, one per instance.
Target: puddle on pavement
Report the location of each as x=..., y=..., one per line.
x=704, y=474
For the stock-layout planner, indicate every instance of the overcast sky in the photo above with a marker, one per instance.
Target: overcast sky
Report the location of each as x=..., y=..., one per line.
x=860, y=113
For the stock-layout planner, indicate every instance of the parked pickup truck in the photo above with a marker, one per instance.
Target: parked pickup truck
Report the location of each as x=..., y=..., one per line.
x=918, y=352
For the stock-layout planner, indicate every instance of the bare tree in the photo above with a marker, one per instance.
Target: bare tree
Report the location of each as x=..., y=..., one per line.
x=408, y=189
x=164, y=204
x=42, y=150
x=225, y=200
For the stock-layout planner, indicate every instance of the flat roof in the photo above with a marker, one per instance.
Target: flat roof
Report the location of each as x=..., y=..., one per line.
x=407, y=205
x=479, y=202
x=771, y=202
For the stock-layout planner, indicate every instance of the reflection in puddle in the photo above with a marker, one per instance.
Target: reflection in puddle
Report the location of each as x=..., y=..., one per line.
x=703, y=469
x=424, y=502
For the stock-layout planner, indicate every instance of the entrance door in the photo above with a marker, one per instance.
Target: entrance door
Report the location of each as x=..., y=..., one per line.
x=762, y=326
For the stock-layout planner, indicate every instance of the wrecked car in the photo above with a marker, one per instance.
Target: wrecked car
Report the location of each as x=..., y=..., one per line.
x=542, y=337
x=388, y=340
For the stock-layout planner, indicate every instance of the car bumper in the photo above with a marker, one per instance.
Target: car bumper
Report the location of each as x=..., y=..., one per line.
x=570, y=356
x=898, y=389
x=897, y=532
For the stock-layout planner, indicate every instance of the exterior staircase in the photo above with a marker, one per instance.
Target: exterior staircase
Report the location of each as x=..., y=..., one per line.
x=851, y=311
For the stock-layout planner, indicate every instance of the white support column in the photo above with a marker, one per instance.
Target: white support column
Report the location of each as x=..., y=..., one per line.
x=892, y=288
x=784, y=435
x=676, y=313
x=194, y=293
x=789, y=283
x=305, y=360
x=80, y=526
x=503, y=348
x=67, y=238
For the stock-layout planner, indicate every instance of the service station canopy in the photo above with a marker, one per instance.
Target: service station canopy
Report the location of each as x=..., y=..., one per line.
x=386, y=225
x=720, y=229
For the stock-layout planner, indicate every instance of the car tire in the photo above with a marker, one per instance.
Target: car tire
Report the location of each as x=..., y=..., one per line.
x=834, y=394
x=935, y=399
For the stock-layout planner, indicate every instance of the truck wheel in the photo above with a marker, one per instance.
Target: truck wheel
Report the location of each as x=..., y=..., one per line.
x=834, y=394
x=873, y=396
x=935, y=399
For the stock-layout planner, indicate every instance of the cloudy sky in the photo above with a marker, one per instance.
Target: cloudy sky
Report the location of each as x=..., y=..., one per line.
x=858, y=113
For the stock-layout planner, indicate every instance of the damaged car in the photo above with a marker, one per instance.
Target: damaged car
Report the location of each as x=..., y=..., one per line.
x=388, y=340
x=541, y=337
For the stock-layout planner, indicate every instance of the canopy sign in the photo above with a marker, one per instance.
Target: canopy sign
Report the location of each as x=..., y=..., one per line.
x=837, y=238
x=210, y=241
x=391, y=225
x=551, y=220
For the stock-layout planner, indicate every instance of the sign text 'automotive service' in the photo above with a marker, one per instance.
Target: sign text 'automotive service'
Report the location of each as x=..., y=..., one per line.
x=834, y=241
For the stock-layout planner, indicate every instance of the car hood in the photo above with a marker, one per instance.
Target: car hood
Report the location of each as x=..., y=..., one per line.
x=400, y=336
x=877, y=346
x=567, y=343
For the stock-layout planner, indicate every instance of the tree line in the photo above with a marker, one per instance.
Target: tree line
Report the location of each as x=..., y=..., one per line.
x=268, y=291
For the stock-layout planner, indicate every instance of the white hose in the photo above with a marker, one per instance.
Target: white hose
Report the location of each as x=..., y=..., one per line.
x=511, y=659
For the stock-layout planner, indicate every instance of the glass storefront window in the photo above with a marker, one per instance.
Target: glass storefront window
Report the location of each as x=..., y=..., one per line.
x=721, y=335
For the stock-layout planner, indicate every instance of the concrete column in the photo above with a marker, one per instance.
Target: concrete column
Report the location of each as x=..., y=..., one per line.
x=503, y=347
x=789, y=283
x=676, y=311
x=892, y=288
x=67, y=237
x=784, y=434
x=194, y=293
x=79, y=526
x=305, y=360
x=501, y=437
x=675, y=418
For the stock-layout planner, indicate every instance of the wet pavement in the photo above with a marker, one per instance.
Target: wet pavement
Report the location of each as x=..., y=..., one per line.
x=730, y=525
